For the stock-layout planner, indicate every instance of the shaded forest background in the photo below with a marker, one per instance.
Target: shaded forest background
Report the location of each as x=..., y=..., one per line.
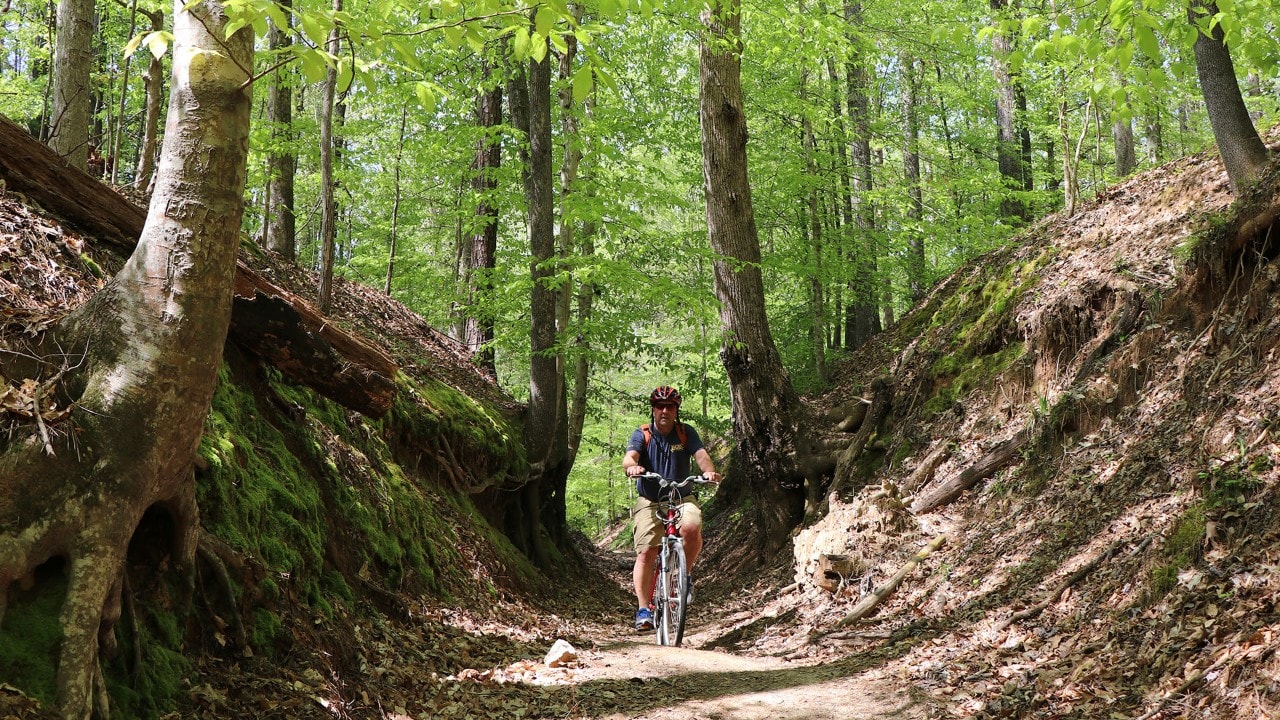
x=888, y=146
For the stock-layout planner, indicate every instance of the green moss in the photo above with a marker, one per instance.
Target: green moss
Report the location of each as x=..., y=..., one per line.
x=256, y=495
x=151, y=689
x=957, y=374
x=1181, y=550
x=31, y=635
x=969, y=329
x=266, y=627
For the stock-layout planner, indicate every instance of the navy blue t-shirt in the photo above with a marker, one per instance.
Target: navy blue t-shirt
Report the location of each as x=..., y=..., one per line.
x=665, y=456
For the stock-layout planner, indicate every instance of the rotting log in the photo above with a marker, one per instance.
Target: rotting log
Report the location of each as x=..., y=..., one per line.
x=288, y=332
x=282, y=328
x=997, y=459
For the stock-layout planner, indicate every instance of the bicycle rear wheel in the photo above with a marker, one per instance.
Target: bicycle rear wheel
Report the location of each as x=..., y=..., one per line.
x=673, y=593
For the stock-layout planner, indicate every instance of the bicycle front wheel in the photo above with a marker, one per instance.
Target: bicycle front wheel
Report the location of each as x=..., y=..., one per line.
x=673, y=594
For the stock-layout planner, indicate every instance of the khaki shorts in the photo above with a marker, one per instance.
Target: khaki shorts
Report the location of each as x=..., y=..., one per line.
x=649, y=529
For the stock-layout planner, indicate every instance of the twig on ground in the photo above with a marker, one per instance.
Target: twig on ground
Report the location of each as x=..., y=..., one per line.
x=1070, y=580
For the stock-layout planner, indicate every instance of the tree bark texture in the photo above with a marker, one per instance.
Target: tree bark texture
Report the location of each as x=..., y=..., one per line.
x=1242, y=151
x=282, y=162
x=477, y=326
x=328, y=209
x=1008, y=154
x=544, y=420
x=153, y=81
x=573, y=242
x=911, y=172
x=150, y=346
x=861, y=317
x=817, y=303
x=72, y=62
x=764, y=403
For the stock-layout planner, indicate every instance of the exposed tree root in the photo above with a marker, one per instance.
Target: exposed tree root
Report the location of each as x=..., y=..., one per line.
x=223, y=579
x=881, y=400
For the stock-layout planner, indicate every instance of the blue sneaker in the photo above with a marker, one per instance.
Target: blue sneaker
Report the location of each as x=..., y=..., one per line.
x=644, y=619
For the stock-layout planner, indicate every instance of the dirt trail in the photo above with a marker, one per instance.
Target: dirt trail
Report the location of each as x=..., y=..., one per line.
x=687, y=683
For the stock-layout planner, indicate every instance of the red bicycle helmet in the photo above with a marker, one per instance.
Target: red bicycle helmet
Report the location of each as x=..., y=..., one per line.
x=663, y=395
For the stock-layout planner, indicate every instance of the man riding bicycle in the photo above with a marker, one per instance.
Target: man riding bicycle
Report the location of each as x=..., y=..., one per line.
x=665, y=447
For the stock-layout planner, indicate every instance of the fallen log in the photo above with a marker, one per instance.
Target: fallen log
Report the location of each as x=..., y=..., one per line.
x=290, y=334
x=282, y=328
x=924, y=471
x=1000, y=456
x=29, y=167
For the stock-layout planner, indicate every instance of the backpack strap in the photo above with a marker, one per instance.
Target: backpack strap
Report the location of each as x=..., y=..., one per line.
x=647, y=429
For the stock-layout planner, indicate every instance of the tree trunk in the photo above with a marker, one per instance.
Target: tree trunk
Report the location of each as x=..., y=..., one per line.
x=545, y=381
x=395, y=207
x=149, y=348
x=862, y=318
x=911, y=171
x=282, y=162
x=844, y=213
x=1243, y=152
x=328, y=209
x=585, y=248
x=154, y=82
x=764, y=404
x=1008, y=154
x=478, y=325
x=817, y=309
x=72, y=63
x=124, y=97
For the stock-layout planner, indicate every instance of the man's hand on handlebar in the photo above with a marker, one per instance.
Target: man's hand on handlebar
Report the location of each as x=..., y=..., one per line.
x=712, y=478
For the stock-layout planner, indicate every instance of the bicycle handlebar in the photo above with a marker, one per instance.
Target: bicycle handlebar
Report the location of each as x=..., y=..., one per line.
x=665, y=483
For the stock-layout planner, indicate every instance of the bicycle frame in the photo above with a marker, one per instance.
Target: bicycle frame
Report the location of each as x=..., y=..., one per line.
x=670, y=582
x=670, y=595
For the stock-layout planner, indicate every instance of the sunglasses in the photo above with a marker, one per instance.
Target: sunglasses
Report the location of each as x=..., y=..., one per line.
x=664, y=406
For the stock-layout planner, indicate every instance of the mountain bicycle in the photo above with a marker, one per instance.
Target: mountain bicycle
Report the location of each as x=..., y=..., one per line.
x=671, y=575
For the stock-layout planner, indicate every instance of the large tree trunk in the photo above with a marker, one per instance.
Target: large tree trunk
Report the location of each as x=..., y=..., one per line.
x=147, y=351
x=1243, y=152
x=280, y=234
x=861, y=317
x=765, y=406
x=72, y=61
x=544, y=420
